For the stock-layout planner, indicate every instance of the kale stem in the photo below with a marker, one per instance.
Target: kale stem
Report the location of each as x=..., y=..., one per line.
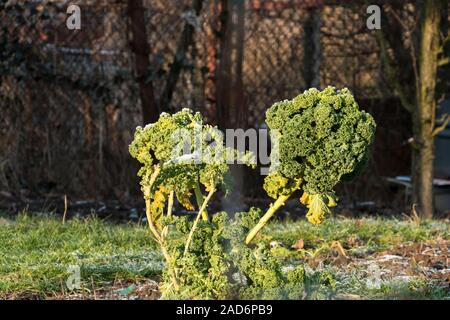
x=169, y=213
x=148, y=208
x=202, y=209
x=160, y=239
x=173, y=273
x=270, y=212
x=170, y=204
x=199, y=197
x=151, y=225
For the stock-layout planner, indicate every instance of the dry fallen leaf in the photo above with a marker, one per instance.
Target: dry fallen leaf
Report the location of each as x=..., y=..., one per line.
x=300, y=244
x=337, y=245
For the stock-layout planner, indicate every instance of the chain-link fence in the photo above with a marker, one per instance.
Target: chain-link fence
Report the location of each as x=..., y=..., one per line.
x=71, y=99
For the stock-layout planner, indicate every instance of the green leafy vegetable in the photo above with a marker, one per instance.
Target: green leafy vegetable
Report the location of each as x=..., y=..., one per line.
x=323, y=139
x=177, y=157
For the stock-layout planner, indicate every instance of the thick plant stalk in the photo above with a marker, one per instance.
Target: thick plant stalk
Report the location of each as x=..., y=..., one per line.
x=151, y=225
x=169, y=212
x=200, y=212
x=154, y=230
x=270, y=212
x=170, y=204
x=199, y=198
x=148, y=210
x=160, y=239
x=172, y=271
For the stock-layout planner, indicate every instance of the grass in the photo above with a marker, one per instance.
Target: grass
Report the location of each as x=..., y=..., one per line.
x=359, y=236
x=36, y=253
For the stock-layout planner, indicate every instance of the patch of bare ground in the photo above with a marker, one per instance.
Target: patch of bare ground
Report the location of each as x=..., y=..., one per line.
x=428, y=259
x=119, y=290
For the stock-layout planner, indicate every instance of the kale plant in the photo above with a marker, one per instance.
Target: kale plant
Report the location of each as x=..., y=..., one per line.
x=179, y=154
x=323, y=138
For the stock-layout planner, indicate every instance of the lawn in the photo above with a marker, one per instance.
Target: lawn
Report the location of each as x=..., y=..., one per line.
x=368, y=258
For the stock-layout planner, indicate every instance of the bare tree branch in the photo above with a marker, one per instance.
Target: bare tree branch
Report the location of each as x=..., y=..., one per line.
x=443, y=61
x=409, y=31
x=392, y=72
x=445, y=120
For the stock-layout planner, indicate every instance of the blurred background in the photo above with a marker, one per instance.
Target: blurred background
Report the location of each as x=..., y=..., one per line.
x=70, y=100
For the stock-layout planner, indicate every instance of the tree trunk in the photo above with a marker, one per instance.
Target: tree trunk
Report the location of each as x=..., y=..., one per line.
x=312, y=46
x=230, y=102
x=141, y=50
x=212, y=40
x=422, y=168
x=424, y=113
x=186, y=40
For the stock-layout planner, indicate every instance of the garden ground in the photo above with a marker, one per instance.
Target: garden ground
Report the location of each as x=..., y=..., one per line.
x=366, y=258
